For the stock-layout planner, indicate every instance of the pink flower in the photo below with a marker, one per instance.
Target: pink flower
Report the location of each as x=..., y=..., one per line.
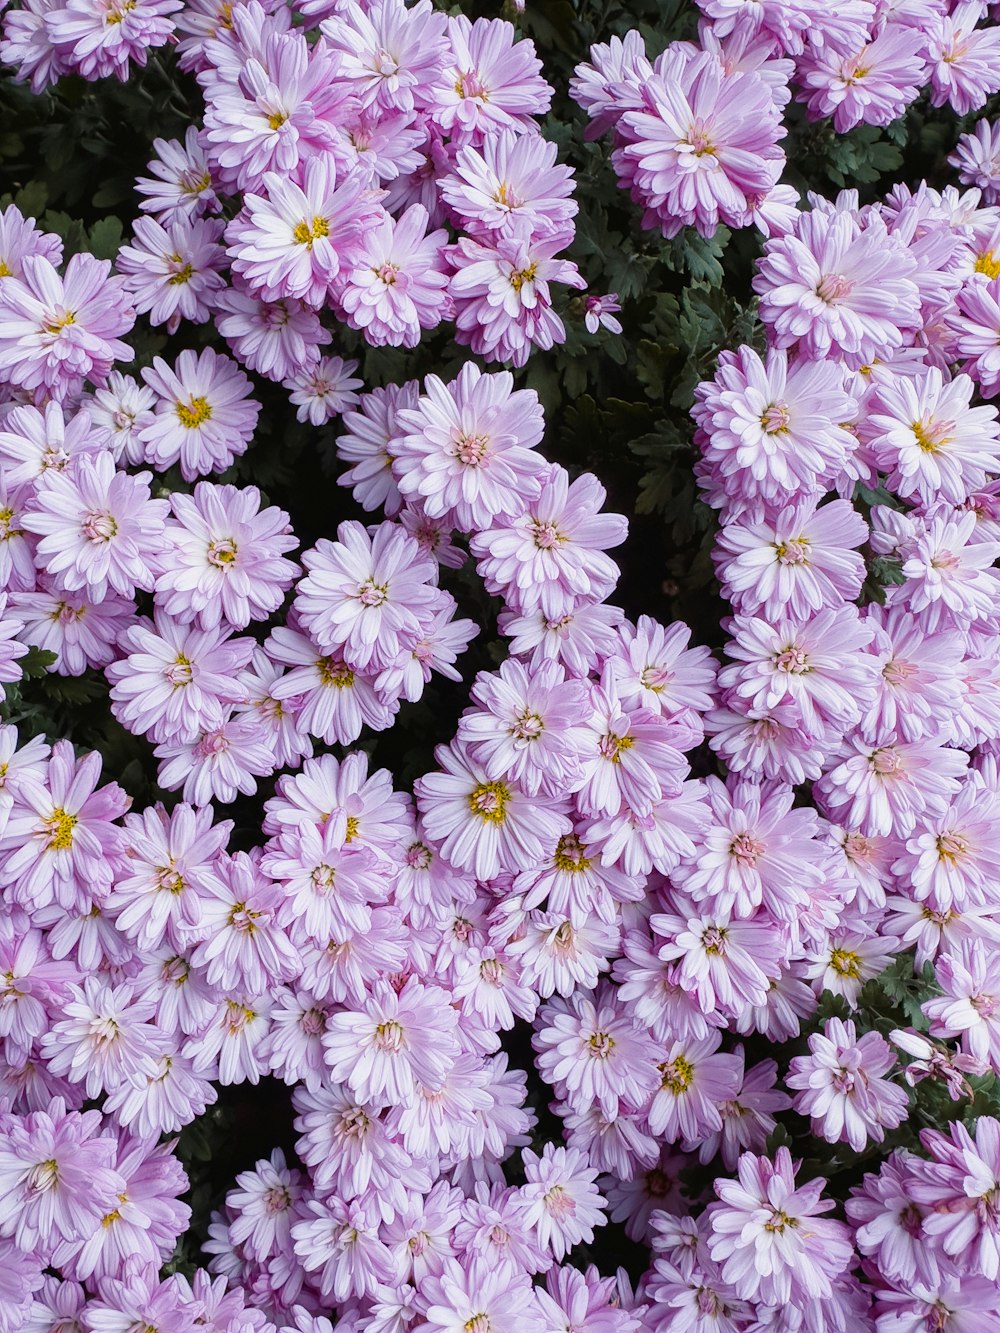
x=326, y=390
x=81, y=631
x=105, y=1038
x=957, y=1187
x=485, y=825
x=977, y=159
x=704, y=143
x=182, y=188
x=465, y=451
x=56, y=332
x=173, y=274
x=117, y=413
x=387, y=53
x=510, y=176
x=870, y=84
x=655, y=669
x=227, y=557
x=20, y=237
x=961, y=58
x=950, y=579
x=768, y=1237
x=98, y=38
x=218, y=762
x=503, y=302
x=396, y=288
x=278, y=339
x=600, y=312
x=843, y=1088
x=100, y=529
x=243, y=947
x=488, y=82
x=204, y=415
x=725, y=965
x=332, y=702
x=695, y=1079
x=969, y=1006
x=974, y=321
x=296, y=239
x=563, y=1203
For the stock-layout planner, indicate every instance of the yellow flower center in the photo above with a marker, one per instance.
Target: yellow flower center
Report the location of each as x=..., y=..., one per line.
x=520, y=276
x=845, y=963
x=677, y=1075
x=59, y=826
x=489, y=801
x=182, y=275
x=195, y=413
x=332, y=672
x=305, y=233
x=987, y=263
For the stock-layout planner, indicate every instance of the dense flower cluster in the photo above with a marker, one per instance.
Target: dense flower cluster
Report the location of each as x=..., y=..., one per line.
x=560, y=866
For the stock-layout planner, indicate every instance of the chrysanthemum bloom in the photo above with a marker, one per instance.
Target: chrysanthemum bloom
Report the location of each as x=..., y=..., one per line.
x=233, y=1048
x=510, y=176
x=466, y=450
x=261, y=1206
x=243, y=947
x=974, y=320
x=969, y=1006
x=889, y=1224
x=398, y=1040
x=204, y=415
x=396, y=286
x=842, y=1085
x=563, y=1201
x=56, y=1177
x=378, y=817
x=872, y=84
x=387, y=53
x=362, y=594
x=324, y=391
x=594, y=1053
x=950, y=578
x=156, y=900
x=950, y=859
x=20, y=237
x=105, y=1038
x=600, y=313
x=705, y=142
x=726, y=965
x=528, y=726
x=11, y=647
x=814, y=667
x=296, y=239
x=365, y=444
x=835, y=286
x=100, y=38
x=767, y=428
x=957, y=1188
x=216, y=764
x=612, y=82
x=500, y=1297
x=918, y=688
x=182, y=189
x=173, y=680
x=500, y=285
x=55, y=332
x=977, y=159
x=929, y=440
x=332, y=701
x=846, y=958
x=962, y=58
x=117, y=413
x=173, y=274
x=80, y=631
x=272, y=115
x=797, y=562
x=769, y=1238
x=329, y=887
x=695, y=1079
x=61, y=839
x=485, y=825
x=20, y=766
x=99, y=528
x=488, y=82
x=277, y=339
x=552, y=553
x=226, y=561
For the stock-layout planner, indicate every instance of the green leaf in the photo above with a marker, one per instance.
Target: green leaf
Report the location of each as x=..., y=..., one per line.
x=37, y=662
x=106, y=238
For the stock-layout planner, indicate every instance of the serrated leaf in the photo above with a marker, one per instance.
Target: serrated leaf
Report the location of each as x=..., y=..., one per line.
x=36, y=663
x=106, y=238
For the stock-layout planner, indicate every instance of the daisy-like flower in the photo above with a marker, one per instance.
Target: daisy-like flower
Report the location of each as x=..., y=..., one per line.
x=62, y=837
x=843, y=1088
x=329, y=886
x=175, y=680
x=872, y=84
x=551, y=555
x=466, y=450
x=243, y=946
x=387, y=53
x=846, y=959
x=157, y=899
x=263, y=1203
x=296, y=239
x=275, y=338
x=694, y=1080
x=949, y=860
x=977, y=159
x=396, y=288
x=324, y=391
x=961, y=58
x=655, y=669
x=611, y=82
x=172, y=273
x=100, y=38
x=363, y=594
x=11, y=647
x=769, y=1235
x=510, y=176
x=331, y=701
x=20, y=237
x=562, y=1200
x=55, y=332
x=365, y=444
x=968, y=975
x=105, y=1038
x=974, y=320
x=338, y=1241
x=216, y=764
x=204, y=414
x=81, y=631
x=950, y=578
x=117, y=413
x=958, y=1188
x=929, y=440
x=226, y=561
x=727, y=965
x=395, y=1042
x=500, y=286
x=488, y=82
x=99, y=528
x=485, y=825
x=837, y=286
x=766, y=428
x=800, y=561
x=600, y=312
x=594, y=1053
x=704, y=144
x=179, y=187
x=478, y=1295
x=528, y=726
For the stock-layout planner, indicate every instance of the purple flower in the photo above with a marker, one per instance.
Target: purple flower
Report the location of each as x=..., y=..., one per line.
x=842, y=1085
x=695, y=1080
x=173, y=274
x=488, y=82
x=510, y=176
x=20, y=237
x=396, y=288
x=324, y=391
x=182, y=188
x=961, y=58
x=768, y=1237
x=956, y=1187
x=278, y=339
x=332, y=702
x=204, y=415
x=977, y=159
x=389, y=53
x=57, y=332
x=105, y=1038
x=870, y=84
x=81, y=631
x=98, y=39
x=563, y=1202
x=218, y=762
x=600, y=312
